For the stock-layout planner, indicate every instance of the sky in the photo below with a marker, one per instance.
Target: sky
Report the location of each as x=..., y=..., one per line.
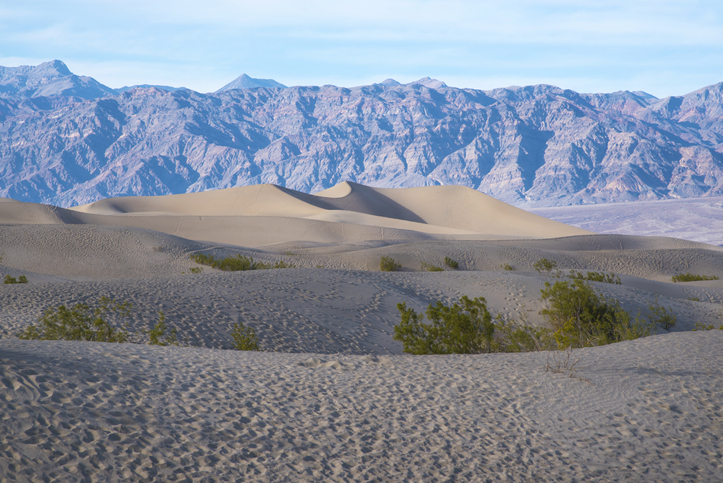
x=662, y=47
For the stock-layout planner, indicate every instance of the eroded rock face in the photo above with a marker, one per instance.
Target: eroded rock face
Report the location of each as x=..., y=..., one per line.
x=538, y=145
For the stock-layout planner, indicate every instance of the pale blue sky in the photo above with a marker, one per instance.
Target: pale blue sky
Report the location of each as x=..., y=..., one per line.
x=659, y=46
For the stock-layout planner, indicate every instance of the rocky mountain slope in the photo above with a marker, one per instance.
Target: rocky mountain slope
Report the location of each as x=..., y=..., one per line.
x=68, y=140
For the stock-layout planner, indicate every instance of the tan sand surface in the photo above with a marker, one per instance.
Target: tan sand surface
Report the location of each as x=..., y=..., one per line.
x=331, y=397
x=647, y=410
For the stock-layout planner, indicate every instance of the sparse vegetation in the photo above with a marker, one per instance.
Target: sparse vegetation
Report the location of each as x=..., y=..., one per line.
x=464, y=328
x=595, y=277
x=158, y=336
x=694, y=299
x=581, y=318
x=693, y=277
x=544, y=265
x=507, y=267
x=661, y=316
x=388, y=264
x=244, y=338
x=10, y=279
x=99, y=324
x=451, y=263
x=81, y=323
x=235, y=263
x=431, y=268
x=196, y=270
x=699, y=326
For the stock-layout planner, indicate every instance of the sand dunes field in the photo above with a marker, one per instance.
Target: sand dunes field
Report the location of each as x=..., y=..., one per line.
x=331, y=397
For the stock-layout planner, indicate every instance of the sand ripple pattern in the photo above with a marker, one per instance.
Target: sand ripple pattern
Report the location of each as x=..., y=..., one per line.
x=650, y=410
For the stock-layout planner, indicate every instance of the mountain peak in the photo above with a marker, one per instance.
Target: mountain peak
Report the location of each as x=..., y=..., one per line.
x=429, y=82
x=246, y=82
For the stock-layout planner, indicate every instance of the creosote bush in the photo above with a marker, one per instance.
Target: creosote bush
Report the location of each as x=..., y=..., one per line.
x=507, y=267
x=451, y=263
x=10, y=280
x=693, y=277
x=595, y=277
x=388, y=264
x=81, y=323
x=464, y=328
x=544, y=265
x=578, y=317
x=244, y=338
x=235, y=263
x=581, y=318
x=661, y=316
x=431, y=268
x=99, y=324
x=158, y=336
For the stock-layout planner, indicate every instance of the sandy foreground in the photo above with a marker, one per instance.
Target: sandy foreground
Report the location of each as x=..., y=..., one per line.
x=331, y=397
x=647, y=410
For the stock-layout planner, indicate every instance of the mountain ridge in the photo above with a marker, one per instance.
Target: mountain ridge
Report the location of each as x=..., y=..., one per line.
x=530, y=146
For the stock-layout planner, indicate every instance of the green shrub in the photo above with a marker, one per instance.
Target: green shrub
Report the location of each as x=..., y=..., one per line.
x=464, y=328
x=196, y=270
x=431, y=268
x=693, y=277
x=244, y=338
x=266, y=266
x=699, y=326
x=507, y=267
x=80, y=323
x=544, y=265
x=694, y=299
x=513, y=337
x=595, y=277
x=9, y=279
x=581, y=318
x=451, y=263
x=661, y=316
x=235, y=263
x=388, y=264
x=159, y=332
x=22, y=279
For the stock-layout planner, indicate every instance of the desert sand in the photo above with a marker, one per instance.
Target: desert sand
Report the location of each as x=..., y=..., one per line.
x=331, y=397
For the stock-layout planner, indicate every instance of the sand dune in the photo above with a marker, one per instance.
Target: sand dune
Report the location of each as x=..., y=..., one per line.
x=331, y=397
x=647, y=410
x=251, y=216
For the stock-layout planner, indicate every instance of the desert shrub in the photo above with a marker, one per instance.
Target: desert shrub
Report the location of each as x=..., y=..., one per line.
x=699, y=326
x=464, y=328
x=266, y=266
x=507, y=267
x=244, y=338
x=9, y=280
x=693, y=277
x=388, y=264
x=513, y=337
x=431, y=268
x=157, y=335
x=544, y=265
x=451, y=263
x=661, y=316
x=581, y=318
x=196, y=270
x=22, y=279
x=595, y=277
x=81, y=323
x=235, y=263
x=694, y=299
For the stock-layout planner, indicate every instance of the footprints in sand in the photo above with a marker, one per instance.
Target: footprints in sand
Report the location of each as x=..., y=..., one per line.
x=366, y=361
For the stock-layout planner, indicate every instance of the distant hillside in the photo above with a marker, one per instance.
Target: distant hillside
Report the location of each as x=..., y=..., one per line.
x=69, y=140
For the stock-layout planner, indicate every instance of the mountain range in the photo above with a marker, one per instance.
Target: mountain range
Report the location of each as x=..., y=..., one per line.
x=69, y=140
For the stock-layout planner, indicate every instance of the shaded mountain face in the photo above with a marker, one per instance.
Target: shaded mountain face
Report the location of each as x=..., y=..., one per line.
x=537, y=145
